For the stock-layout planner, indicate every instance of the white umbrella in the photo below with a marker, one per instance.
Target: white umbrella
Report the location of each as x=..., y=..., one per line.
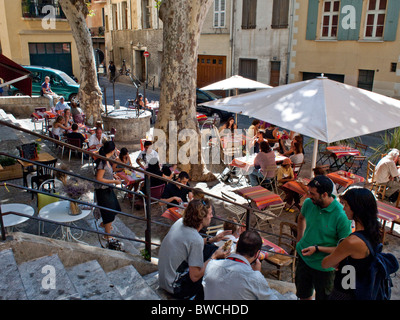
x=320, y=108
x=235, y=83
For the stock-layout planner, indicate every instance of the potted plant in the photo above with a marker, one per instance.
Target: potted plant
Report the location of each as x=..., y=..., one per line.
x=9, y=169
x=26, y=8
x=75, y=190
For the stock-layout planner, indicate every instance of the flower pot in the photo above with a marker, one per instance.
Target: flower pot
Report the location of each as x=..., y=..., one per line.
x=74, y=208
x=10, y=172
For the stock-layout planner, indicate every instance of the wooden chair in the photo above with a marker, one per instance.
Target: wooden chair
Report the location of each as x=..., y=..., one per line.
x=377, y=189
x=272, y=212
x=214, y=229
x=362, y=147
x=287, y=241
x=355, y=163
x=239, y=212
x=43, y=174
x=75, y=143
x=297, y=168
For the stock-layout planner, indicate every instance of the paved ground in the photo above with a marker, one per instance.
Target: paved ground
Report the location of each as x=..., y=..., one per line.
x=9, y=140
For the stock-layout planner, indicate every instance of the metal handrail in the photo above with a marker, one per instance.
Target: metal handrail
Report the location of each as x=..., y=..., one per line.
x=148, y=199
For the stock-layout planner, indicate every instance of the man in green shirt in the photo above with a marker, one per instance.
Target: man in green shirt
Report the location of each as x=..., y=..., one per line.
x=321, y=225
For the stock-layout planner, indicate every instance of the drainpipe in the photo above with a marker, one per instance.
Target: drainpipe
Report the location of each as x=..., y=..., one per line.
x=232, y=31
x=289, y=53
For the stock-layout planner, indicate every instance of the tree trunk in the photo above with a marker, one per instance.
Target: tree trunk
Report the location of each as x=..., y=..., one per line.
x=182, y=23
x=90, y=96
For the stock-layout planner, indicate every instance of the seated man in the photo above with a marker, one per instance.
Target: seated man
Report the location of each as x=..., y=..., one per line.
x=96, y=140
x=386, y=170
x=176, y=194
x=146, y=155
x=61, y=104
x=182, y=261
x=238, y=277
x=75, y=134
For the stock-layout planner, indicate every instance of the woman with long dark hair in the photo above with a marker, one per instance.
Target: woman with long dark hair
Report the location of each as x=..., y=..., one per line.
x=105, y=195
x=360, y=206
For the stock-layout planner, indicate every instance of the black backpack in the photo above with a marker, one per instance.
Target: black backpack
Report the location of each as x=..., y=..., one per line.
x=379, y=283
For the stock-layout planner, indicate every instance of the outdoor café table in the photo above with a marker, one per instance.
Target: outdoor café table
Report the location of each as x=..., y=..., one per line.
x=387, y=213
x=341, y=154
x=298, y=186
x=10, y=220
x=59, y=212
x=246, y=163
x=268, y=249
x=41, y=157
x=130, y=177
x=344, y=178
x=259, y=196
x=173, y=213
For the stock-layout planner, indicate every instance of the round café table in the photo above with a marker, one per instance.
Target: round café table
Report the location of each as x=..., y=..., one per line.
x=58, y=211
x=10, y=220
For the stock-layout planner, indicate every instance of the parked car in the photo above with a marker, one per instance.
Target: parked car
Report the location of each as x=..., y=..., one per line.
x=205, y=96
x=61, y=83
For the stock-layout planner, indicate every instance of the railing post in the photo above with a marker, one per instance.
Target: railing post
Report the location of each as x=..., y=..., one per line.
x=147, y=234
x=3, y=229
x=248, y=214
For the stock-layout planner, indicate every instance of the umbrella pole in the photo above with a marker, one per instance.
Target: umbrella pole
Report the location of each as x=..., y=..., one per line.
x=314, y=157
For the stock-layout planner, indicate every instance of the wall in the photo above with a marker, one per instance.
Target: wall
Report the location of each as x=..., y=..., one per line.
x=23, y=106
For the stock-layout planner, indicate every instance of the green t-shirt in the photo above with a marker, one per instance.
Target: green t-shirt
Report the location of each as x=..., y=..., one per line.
x=324, y=227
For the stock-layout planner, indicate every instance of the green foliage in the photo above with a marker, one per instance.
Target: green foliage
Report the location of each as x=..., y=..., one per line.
x=390, y=140
x=6, y=161
x=158, y=3
x=145, y=254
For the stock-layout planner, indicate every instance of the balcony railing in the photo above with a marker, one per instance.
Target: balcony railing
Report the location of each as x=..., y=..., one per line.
x=35, y=10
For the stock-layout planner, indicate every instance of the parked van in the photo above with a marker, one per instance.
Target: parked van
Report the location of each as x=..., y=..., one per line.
x=61, y=83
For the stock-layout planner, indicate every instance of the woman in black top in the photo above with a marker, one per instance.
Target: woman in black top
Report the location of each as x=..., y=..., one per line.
x=360, y=206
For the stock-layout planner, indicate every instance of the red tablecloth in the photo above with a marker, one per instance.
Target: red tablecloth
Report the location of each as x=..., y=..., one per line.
x=297, y=186
x=387, y=212
x=340, y=177
x=132, y=178
x=271, y=247
x=260, y=196
x=173, y=213
x=343, y=151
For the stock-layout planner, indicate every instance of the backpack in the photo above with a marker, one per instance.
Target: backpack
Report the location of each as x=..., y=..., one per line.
x=379, y=283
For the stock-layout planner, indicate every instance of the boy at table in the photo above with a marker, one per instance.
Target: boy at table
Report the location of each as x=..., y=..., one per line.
x=238, y=277
x=175, y=194
x=182, y=260
x=321, y=224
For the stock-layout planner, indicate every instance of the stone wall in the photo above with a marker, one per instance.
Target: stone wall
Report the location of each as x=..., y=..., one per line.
x=23, y=106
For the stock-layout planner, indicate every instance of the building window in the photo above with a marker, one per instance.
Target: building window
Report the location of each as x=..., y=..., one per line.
x=219, y=13
x=249, y=13
x=248, y=68
x=275, y=73
x=366, y=79
x=280, y=14
x=146, y=14
x=330, y=19
x=375, y=20
x=393, y=67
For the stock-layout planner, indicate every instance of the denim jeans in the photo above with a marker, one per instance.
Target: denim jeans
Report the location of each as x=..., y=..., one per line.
x=253, y=177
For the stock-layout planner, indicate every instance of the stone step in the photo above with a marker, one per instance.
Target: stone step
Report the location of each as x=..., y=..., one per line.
x=152, y=280
x=11, y=286
x=131, y=285
x=92, y=282
x=45, y=278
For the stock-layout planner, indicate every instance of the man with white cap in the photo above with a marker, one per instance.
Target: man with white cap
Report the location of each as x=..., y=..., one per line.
x=61, y=104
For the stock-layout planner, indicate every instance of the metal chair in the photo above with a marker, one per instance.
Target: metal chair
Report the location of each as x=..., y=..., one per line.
x=75, y=143
x=361, y=147
x=43, y=173
x=49, y=186
x=270, y=183
x=324, y=155
x=272, y=212
x=288, y=240
x=239, y=212
x=355, y=163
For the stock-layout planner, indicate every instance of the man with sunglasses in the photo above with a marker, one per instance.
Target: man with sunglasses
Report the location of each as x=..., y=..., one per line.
x=238, y=277
x=321, y=224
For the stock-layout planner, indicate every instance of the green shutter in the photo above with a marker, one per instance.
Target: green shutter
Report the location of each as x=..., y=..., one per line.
x=392, y=18
x=312, y=18
x=350, y=34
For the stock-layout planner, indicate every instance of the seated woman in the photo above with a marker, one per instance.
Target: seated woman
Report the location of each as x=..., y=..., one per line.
x=228, y=127
x=77, y=113
x=264, y=164
x=124, y=158
x=68, y=121
x=285, y=174
x=59, y=128
x=297, y=157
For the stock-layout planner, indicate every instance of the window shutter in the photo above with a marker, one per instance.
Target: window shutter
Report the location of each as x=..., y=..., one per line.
x=252, y=14
x=245, y=13
x=312, y=17
x=392, y=18
x=280, y=13
x=350, y=34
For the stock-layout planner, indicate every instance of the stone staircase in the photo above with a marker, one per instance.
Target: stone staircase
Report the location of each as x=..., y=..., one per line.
x=47, y=278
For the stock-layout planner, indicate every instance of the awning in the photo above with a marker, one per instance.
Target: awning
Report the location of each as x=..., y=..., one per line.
x=10, y=70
